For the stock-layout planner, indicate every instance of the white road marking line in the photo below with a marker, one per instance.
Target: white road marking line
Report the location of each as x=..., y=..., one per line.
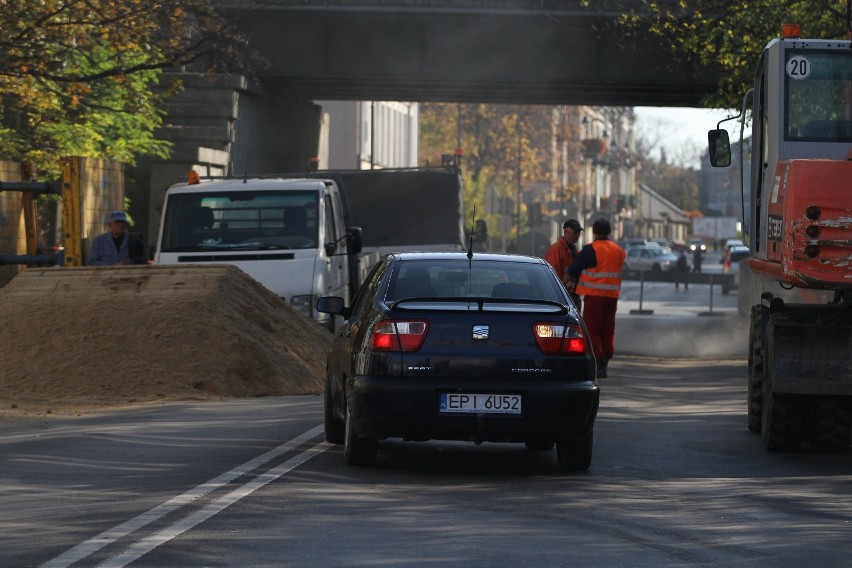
x=89, y=547
x=147, y=544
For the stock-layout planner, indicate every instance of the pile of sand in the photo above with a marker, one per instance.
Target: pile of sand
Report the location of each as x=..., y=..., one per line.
x=75, y=340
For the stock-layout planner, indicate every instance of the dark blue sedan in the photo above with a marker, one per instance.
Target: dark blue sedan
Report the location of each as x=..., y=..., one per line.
x=451, y=346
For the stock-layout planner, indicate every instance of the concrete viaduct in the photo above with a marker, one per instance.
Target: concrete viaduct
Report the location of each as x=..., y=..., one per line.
x=493, y=51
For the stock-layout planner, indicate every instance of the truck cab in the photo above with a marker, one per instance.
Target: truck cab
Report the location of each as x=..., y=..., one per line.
x=288, y=234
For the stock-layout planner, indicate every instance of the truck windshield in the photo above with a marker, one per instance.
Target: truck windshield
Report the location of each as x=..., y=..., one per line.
x=819, y=96
x=240, y=220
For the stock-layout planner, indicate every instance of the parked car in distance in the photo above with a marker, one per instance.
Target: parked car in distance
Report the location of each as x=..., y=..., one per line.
x=665, y=243
x=695, y=244
x=628, y=244
x=731, y=243
x=650, y=257
x=445, y=347
x=731, y=265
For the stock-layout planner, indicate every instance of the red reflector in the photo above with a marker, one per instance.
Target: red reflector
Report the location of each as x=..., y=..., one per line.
x=556, y=338
x=401, y=335
x=812, y=251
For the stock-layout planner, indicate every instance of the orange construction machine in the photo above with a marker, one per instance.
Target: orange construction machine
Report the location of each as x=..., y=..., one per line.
x=799, y=223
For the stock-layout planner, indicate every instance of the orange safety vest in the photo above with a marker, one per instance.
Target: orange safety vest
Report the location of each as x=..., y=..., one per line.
x=605, y=278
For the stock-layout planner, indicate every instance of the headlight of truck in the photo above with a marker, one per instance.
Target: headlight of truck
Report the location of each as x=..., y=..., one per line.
x=304, y=305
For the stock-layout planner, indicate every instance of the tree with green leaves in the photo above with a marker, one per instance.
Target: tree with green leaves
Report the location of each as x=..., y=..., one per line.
x=730, y=36
x=502, y=146
x=80, y=77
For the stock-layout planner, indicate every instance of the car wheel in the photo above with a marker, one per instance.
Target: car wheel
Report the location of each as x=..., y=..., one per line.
x=357, y=450
x=539, y=446
x=656, y=268
x=575, y=455
x=335, y=430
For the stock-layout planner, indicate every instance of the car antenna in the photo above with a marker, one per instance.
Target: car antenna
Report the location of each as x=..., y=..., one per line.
x=472, y=229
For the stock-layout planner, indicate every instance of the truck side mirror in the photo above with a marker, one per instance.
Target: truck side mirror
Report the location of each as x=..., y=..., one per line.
x=353, y=240
x=719, y=147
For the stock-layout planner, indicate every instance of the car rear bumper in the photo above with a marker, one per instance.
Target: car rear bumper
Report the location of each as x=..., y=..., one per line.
x=409, y=409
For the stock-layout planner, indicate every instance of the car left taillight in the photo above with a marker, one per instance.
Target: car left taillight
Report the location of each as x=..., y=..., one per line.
x=560, y=339
x=398, y=335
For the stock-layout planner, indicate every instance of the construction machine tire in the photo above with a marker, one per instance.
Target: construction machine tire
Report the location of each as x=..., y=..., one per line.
x=832, y=423
x=755, y=371
x=782, y=414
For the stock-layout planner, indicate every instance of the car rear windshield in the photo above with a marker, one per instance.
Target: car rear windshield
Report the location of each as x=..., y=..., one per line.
x=477, y=279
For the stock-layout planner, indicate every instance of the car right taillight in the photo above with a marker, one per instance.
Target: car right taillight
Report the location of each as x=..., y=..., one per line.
x=398, y=335
x=558, y=338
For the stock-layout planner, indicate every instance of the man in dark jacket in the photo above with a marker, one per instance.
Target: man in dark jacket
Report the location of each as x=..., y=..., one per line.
x=112, y=247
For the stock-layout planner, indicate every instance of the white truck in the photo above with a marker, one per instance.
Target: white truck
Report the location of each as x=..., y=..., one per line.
x=291, y=235
x=294, y=233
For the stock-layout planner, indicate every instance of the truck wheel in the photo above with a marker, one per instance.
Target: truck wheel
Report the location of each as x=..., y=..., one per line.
x=755, y=371
x=832, y=423
x=575, y=455
x=782, y=413
x=357, y=450
x=335, y=432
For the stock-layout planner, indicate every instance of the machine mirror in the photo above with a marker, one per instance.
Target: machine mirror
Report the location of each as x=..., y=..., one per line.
x=719, y=147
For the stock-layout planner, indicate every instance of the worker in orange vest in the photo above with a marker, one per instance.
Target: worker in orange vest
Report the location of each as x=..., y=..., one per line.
x=597, y=273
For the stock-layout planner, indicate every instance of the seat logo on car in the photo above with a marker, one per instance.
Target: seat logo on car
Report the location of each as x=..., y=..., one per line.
x=480, y=332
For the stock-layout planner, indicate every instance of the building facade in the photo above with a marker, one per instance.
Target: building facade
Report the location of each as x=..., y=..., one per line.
x=362, y=135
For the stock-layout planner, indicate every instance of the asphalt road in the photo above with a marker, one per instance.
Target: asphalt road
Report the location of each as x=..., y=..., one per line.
x=676, y=480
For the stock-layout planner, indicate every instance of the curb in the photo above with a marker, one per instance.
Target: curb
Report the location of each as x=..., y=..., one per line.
x=682, y=337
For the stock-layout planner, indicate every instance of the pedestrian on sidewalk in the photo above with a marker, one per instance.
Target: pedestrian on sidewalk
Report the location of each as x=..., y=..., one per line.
x=697, y=257
x=562, y=253
x=682, y=268
x=597, y=272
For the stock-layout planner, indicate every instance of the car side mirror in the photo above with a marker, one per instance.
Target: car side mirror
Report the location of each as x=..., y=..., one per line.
x=719, y=147
x=334, y=305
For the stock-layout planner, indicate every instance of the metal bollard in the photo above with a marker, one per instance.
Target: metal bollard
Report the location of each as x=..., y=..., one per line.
x=640, y=311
